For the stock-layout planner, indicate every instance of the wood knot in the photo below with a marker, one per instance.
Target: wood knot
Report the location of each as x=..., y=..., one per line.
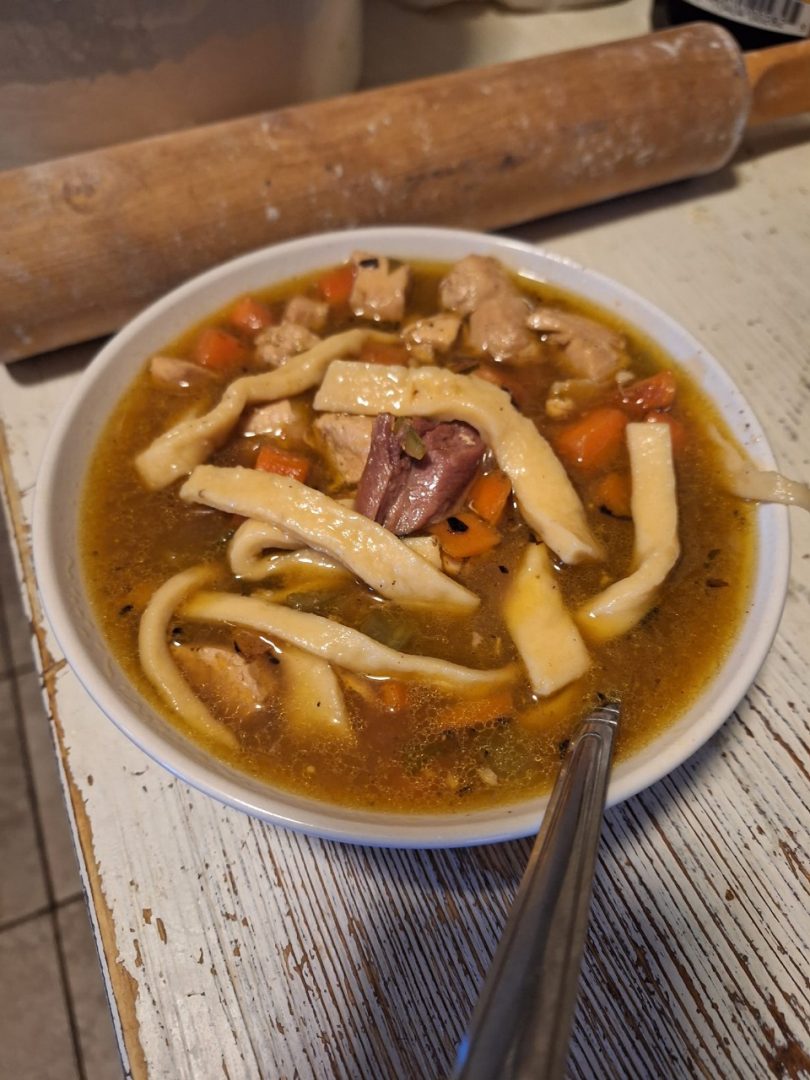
x=79, y=193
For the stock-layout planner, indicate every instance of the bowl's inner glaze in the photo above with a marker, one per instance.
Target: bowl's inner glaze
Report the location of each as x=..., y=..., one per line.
x=647, y=754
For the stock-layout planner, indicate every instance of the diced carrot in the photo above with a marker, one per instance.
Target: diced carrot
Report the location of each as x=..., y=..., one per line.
x=465, y=534
x=251, y=316
x=336, y=285
x=270, y=459
x=488, y=495
x=394, y=695
x=594, y=440
x=380, y=352
x=219, y=350
x=611, y=492
x=676, y=428
x=475, y=712
x=657, y=392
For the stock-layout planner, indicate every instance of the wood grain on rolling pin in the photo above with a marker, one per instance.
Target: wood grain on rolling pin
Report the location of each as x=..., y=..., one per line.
x=87, y=241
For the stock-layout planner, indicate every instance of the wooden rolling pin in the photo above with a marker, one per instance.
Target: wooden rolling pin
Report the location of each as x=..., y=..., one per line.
x=87, y=241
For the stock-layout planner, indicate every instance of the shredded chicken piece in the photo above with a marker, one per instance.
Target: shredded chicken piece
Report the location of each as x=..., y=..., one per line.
x=654, y=508
x=345, y=441
x=281, y=419
x=568, y=396
x=304, y=311
x=500, y=327
x=371, y=552
x=432, y=336
x=473, y=280
x=238, y=687
x=340, y=645
x=590, y=350
x=172, y=373
x=175, y=453
x=156, y=657
x=378, y=292
x=278, y=344
x=547, y=499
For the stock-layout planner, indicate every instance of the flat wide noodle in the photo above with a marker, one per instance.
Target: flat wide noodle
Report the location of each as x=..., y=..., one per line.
x=253, y=552
x=313, y=701
x=654, y=507
x=547, y=499
x=341, y=645
x=156, y=659
x=248, y=544
x=746, y=481
x=175, y=453
x=371, y=552
x=541, y=626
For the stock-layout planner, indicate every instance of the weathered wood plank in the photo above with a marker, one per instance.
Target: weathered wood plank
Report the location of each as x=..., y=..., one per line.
x=236, y=949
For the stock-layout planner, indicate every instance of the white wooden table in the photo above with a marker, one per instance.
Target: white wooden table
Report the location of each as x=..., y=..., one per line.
x=235, y=949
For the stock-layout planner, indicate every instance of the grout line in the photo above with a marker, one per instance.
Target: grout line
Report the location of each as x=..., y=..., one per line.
x=20, y=671
x=68, y=900
x=39, y=832
x=47, y=909
x=68, y=996
x=21, y=920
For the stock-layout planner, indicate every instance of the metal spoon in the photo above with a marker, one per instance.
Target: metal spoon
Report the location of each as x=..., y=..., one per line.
x=522, y=1023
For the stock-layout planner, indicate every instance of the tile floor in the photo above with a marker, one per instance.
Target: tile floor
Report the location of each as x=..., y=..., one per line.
x=54, y=1018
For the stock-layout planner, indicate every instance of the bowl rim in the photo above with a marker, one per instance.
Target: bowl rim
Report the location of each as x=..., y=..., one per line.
x=166, y=746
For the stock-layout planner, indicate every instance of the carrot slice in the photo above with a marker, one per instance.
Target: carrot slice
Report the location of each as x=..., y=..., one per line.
x=476, y=712
x=657, y=392
x=378, y=352
x=250, y=316
x=219, y=350
x=594, y=440
x=271, y=459
x=336, y=285
x=488, y=495
x=465, y=534
x=676, y=429
x=611, y=492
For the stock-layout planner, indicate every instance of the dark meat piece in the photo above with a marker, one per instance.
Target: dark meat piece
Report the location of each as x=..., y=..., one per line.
x=405, y=494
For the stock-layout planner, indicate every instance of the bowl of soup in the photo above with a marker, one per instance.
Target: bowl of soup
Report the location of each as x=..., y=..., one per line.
x=348, y=533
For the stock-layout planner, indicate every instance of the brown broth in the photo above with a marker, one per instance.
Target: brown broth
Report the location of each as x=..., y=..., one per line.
x=133, y=539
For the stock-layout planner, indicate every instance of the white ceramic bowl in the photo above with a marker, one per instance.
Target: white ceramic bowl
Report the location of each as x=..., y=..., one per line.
x=102, y=384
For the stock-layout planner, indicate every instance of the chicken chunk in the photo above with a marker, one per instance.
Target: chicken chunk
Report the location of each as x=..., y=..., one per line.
x=569, y=396
x=345, y=441
x=499, y=326
x=473, y=280
x=378, y=292
x=278, y=344
x=225, y=679
x=590, y=350
x=429, y=337
x=279, y=418
x=304, y=311
x=172, y=373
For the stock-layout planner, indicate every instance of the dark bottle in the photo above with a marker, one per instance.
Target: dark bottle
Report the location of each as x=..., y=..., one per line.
x=756, y=24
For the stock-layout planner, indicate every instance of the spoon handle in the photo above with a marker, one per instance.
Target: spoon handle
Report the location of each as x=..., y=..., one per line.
x=521, y=1025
